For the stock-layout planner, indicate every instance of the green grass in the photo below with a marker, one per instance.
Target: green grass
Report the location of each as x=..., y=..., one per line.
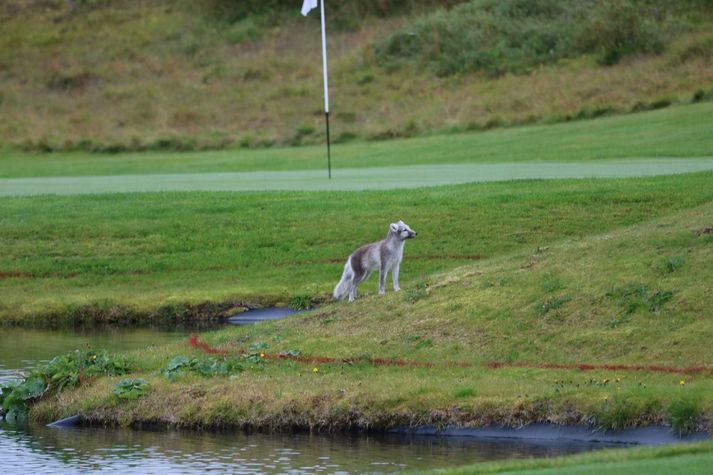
x=679, y=132
x=352, y=179
x=693, y=458
x=141, y=252
x=577, y=243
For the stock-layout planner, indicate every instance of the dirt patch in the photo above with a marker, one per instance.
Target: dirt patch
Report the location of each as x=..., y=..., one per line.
x=704, y=231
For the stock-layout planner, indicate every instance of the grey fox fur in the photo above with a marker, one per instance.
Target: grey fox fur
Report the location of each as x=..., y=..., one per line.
x=383, y=256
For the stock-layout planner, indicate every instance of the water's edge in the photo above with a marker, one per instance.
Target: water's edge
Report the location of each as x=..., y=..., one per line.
x=541, y=432
x=538, y=432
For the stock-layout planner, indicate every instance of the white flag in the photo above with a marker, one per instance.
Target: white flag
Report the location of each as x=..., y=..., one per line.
x=308, y=5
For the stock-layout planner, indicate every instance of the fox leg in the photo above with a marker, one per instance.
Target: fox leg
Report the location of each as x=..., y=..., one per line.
x=395, y=276
x=352, y=291
x=382, y=279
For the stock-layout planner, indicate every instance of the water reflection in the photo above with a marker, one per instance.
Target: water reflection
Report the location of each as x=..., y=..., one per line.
x=130, y=451
x=22, y=348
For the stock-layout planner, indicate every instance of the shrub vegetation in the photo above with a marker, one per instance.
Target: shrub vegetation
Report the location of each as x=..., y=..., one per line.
x=515, y=36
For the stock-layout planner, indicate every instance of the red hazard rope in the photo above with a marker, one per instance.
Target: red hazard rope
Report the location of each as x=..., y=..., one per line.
x=201, y=345
x=195, y=342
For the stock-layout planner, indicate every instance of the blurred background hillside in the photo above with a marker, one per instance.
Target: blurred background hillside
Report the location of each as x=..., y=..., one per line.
x=130, y=75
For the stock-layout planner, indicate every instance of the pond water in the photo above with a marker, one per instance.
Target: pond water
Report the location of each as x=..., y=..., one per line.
x=88, y=450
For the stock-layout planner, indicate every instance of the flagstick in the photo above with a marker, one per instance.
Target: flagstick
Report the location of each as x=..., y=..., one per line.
x=329, y=155
x=326, y=88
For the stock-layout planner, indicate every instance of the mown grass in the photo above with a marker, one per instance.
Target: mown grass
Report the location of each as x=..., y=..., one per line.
x=692, y=458
x=466, y=320
x=89, y=257
x=129, y=76
x=678, y=132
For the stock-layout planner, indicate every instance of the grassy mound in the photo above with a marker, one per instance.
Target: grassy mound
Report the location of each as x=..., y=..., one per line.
x=610, y=328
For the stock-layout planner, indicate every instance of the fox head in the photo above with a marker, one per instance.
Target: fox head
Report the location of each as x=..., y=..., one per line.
x=402, y=231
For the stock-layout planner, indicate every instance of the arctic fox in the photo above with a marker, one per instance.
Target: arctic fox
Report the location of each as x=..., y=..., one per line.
x=383, y=255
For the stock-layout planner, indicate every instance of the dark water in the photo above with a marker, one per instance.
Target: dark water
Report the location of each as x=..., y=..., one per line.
x=90, y=450
x=87, y=450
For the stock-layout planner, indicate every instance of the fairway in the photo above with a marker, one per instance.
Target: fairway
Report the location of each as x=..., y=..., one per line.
x=380, y=178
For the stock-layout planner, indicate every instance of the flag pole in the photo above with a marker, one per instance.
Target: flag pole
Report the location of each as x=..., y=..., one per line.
x=326, y=88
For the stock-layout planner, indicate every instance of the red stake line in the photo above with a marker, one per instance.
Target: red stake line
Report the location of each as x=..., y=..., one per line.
x=195, y=342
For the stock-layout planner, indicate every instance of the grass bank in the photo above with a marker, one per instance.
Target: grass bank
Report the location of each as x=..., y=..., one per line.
x=607, y=326
x=119, y=75
x=677, y=132
x=694, y=459
x=159, y=255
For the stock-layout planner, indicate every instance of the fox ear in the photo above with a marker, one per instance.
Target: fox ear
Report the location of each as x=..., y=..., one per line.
x=394, y=227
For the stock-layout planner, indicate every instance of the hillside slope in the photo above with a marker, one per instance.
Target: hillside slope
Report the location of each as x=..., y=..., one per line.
x=121, y=75
x=612, y=330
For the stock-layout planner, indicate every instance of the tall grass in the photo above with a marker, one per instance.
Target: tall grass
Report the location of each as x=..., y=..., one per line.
x=159, y=75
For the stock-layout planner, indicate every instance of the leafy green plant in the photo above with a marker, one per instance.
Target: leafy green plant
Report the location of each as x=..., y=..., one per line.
x=64, y=371
x=217, y=366
x=210, y=366
x=15, y=396
x=175, y=366
x=302, y=302
x=131, y=388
